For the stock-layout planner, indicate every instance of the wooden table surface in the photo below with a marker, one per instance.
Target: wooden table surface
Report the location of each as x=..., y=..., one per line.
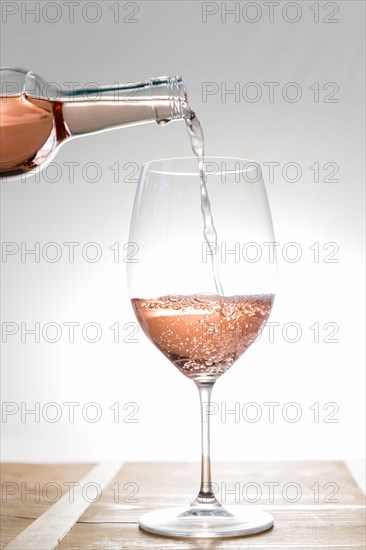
x=314, y=504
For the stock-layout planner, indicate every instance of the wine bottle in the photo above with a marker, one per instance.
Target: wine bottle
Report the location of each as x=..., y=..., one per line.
x=37, y=117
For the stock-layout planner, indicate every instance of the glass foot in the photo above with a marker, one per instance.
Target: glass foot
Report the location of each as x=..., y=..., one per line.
x=180, y=522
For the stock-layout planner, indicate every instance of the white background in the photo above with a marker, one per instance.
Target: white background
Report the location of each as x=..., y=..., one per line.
x=171, y=38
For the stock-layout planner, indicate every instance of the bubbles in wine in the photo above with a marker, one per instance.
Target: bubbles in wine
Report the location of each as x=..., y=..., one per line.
x=202, y=334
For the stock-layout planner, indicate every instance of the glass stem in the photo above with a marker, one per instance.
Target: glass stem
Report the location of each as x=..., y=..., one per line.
x=206, y=496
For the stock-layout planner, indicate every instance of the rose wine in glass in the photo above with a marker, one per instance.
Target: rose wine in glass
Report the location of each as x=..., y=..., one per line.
x=200, y=301
x=203, y=335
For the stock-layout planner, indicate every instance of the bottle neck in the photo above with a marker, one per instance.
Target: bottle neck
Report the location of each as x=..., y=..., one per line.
x=92, y=110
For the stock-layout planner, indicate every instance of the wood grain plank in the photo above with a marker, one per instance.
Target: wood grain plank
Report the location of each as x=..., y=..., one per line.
x=311, y=522
x=43, y=472
x=11, y=527
x=49, y=528
x=28, y=490
x=140, y=487
x=321, y=529
x=22, y=500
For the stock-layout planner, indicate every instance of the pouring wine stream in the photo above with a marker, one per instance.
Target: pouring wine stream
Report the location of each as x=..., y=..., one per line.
x=195, y=132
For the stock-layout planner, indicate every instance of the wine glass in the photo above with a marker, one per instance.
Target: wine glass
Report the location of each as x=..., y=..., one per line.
x=202, y=298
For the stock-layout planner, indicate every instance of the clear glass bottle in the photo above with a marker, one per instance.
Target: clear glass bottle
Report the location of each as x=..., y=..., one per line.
x=37, y=117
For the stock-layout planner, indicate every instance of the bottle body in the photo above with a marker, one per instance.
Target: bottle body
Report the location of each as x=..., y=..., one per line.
x=36, y=118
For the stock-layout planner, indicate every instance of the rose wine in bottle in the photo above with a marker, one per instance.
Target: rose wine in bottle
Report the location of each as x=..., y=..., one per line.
x=37, y=117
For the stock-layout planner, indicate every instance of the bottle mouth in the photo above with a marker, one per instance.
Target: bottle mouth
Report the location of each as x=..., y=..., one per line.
x=170, y=101
x=177, y=90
